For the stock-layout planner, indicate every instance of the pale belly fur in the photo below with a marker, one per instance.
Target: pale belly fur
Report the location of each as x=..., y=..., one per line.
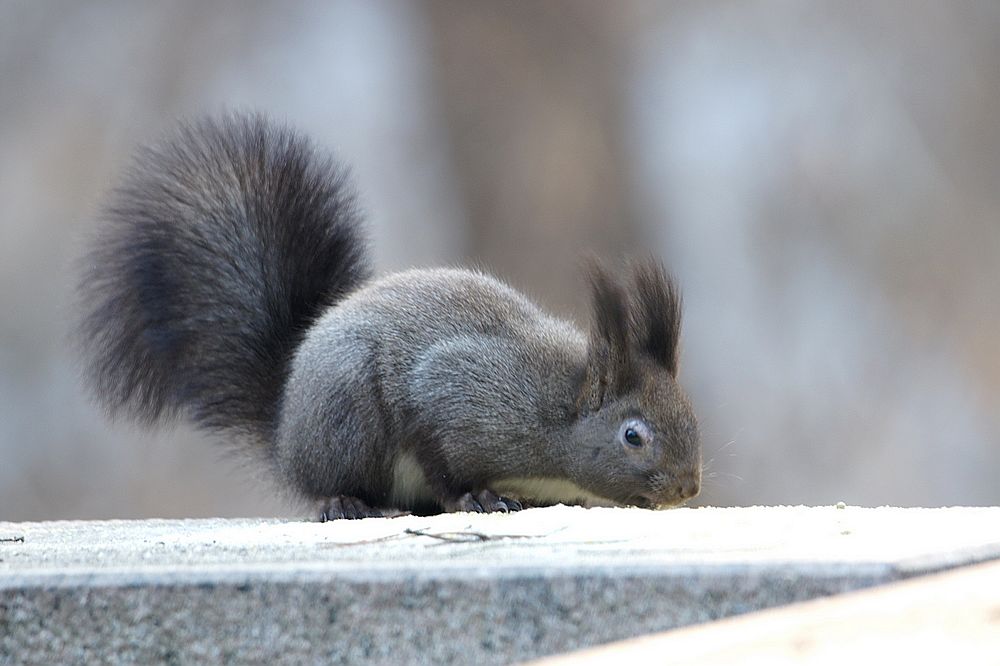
x=410, y=487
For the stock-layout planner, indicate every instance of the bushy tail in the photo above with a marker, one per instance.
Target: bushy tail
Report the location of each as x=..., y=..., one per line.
x=221, y=247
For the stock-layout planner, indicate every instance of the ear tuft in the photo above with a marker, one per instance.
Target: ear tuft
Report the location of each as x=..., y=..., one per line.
x=610, y=357
x=656, y=313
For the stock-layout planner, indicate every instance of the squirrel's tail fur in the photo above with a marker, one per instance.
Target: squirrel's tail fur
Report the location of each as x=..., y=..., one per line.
x=222, y=246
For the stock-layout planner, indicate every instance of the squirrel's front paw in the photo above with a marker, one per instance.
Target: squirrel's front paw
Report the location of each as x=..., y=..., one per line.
x=344, y=507
x=485, y=501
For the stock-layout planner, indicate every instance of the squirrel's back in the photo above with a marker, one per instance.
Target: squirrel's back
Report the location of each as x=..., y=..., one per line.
x=439, y=302
x=223, y=245
x=410, y=312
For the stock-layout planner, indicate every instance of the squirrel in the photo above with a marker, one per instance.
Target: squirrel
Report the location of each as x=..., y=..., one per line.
x=230, y=283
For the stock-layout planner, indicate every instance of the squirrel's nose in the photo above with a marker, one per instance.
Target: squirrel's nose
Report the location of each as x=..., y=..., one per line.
x=688, y=487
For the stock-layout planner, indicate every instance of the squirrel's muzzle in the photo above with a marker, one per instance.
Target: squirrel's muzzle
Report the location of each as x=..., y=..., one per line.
x=675, y=490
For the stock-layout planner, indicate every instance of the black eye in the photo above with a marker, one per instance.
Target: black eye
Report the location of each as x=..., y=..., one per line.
x=632, y=437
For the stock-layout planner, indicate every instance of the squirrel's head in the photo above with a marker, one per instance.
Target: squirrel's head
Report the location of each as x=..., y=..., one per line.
x=636, y=437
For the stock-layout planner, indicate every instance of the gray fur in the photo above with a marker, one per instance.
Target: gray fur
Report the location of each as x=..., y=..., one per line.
x=425, y=389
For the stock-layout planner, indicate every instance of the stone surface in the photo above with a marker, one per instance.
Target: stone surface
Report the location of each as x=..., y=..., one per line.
x=445, y=589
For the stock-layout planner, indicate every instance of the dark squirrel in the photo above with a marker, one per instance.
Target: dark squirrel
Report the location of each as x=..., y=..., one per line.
x=231, y=284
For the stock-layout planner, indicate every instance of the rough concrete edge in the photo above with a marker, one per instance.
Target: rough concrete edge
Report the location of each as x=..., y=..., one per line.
x=311, y=572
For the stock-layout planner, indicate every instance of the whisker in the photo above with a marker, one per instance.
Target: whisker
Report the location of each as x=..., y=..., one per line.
x=726, y=445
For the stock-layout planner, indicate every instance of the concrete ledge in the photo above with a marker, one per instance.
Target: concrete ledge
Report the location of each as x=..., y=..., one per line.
x=445, y=589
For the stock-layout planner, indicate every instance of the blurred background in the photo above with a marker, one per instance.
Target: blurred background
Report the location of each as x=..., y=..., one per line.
x=823, y=178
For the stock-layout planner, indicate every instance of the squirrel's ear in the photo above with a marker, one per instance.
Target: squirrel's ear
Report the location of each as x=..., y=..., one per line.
x=609, y=362
x=656, y=314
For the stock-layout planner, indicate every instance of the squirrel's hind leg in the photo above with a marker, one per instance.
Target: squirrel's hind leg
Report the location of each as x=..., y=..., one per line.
x=347, y=508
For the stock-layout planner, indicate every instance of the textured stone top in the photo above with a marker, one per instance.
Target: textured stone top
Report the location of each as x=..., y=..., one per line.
x=874, y=540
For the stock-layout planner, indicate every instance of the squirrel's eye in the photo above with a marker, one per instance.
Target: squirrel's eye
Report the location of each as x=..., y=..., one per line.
x=635, y=434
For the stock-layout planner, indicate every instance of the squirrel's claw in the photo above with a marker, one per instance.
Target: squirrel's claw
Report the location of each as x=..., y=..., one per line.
x=345, y=507
x=485, y=501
